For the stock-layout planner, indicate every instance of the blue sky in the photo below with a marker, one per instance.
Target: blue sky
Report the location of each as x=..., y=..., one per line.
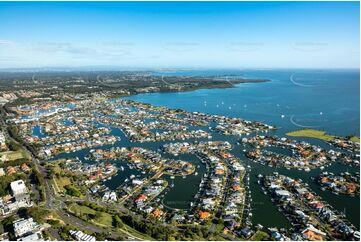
x=180, y=34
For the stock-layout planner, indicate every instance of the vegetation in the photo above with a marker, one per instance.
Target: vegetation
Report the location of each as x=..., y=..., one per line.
x=60, y=183
x=72, y=191
x=260, y=236
x=311, y=133
x=12, y=155
x=354, y=138
x=322, y=135
x=7, y=179
x=88, y=214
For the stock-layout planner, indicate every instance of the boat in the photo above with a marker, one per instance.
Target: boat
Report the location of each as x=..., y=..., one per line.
x=122, y=168
x=172, y=177
x=196, y=174
x=132, y=176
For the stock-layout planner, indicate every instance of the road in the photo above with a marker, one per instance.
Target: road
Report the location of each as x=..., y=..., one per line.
x=58, y=204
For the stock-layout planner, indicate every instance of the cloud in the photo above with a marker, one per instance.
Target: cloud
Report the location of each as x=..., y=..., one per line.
x=309, y=46
x=53, y=47
x=180, y=46
x=6, y=42
x=243, y=46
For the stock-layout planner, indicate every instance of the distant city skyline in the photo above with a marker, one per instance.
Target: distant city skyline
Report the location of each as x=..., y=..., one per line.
x=180, y=34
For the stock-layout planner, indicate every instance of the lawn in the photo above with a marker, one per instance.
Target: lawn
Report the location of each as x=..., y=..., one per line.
x=13, y=155
x=61, y=182
x=355, y=139
x=259, y=236
x=78, y=209
x=136, y=233
x=102, y=218
x=318, y=134
x=311, y=133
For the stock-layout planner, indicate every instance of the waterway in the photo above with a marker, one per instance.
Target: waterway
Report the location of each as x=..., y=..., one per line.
x=323, y=99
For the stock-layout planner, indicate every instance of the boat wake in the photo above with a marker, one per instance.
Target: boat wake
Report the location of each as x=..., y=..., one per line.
x=300, y=125
x=299, y=84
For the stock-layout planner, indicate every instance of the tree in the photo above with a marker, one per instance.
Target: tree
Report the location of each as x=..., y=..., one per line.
x=118, y=223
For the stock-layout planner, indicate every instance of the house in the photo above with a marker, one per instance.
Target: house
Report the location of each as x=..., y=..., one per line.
x=18, y=187
x=80, y=236
x=313, y=234
x=203, y=214
x=25, y=226
x=282, y=193
x=246, y=232
x=157, y=213
x=24, y=167
x=32, y=237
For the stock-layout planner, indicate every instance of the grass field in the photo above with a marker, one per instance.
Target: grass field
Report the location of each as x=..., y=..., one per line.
x=355, y=139
x=104, y=219
x=60, y=183
x=318, y=134
x=311, y=133
x=136, y=233
x=259, y=236
x=13, y=155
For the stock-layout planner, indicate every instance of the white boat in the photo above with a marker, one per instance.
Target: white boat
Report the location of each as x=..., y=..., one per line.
x=172, y=177
x=196, y=174
x=122, y=168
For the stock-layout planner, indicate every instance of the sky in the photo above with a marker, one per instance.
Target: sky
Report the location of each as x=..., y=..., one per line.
x=180, y=34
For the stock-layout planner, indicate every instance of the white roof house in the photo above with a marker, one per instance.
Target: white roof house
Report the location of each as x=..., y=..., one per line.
x=32, y=237
x=25, y=226
x=18, y=187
